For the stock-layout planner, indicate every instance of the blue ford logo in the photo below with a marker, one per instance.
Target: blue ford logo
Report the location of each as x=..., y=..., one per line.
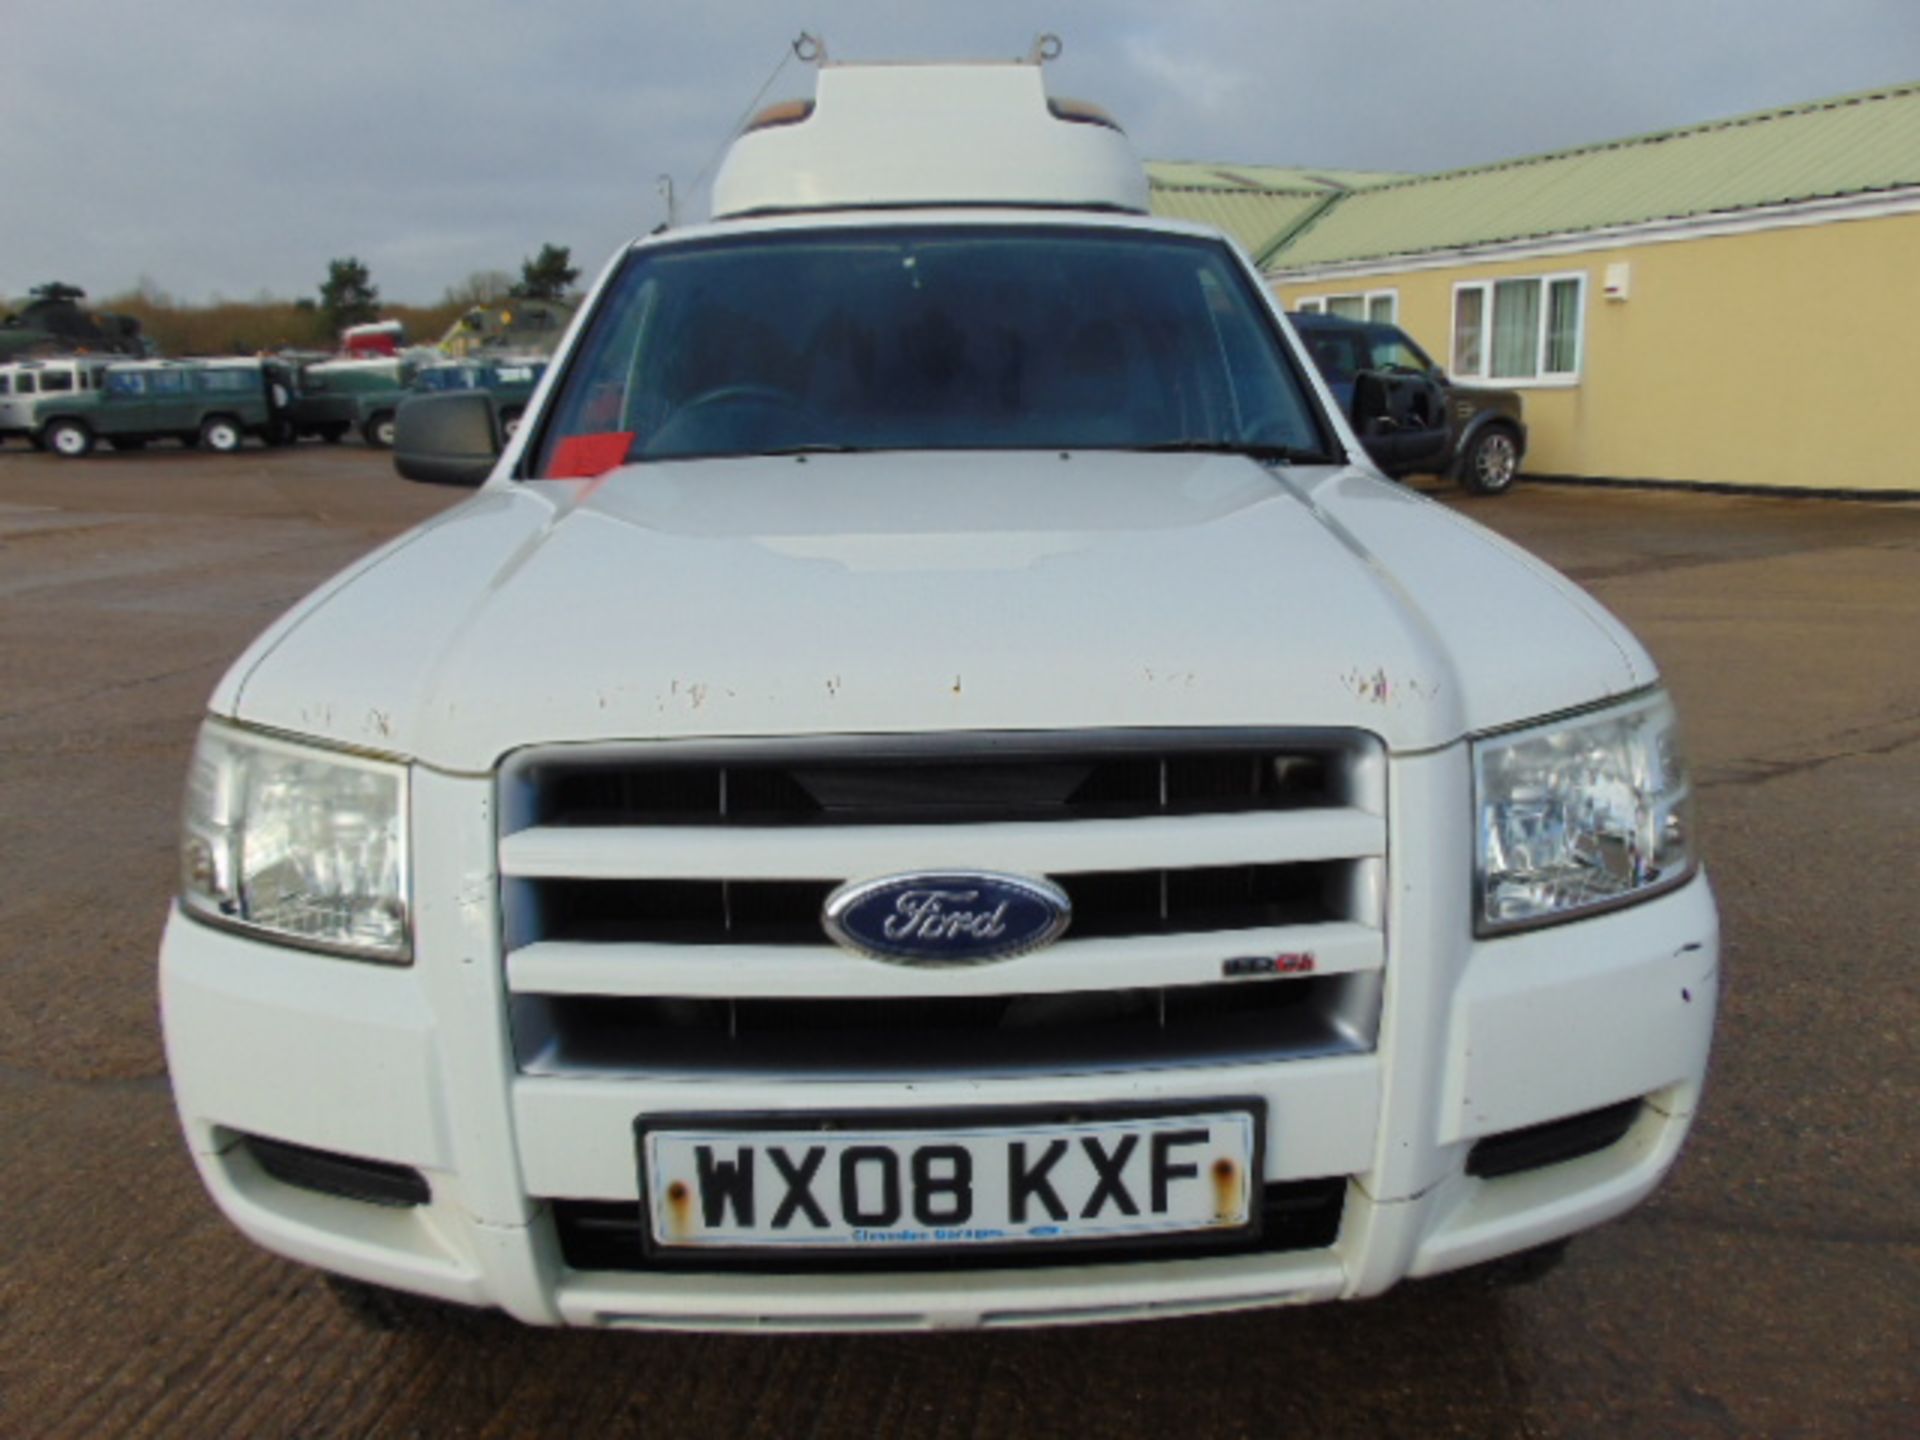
x=961, y=917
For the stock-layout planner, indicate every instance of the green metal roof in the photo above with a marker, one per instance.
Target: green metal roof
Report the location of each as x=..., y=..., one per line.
x=1258, y=219
x=1849, y=145
x=1259, y=205
x=1211, y=175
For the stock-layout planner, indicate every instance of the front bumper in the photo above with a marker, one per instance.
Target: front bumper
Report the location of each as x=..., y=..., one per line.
x=414, y=1067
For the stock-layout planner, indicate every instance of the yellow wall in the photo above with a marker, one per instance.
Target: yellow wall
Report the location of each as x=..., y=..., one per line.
x=1779, y=357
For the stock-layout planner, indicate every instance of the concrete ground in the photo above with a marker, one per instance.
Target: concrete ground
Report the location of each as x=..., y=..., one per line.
x=1772, y=1288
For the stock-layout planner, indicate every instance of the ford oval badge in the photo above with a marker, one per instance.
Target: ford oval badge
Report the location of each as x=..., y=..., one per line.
x=959, y=917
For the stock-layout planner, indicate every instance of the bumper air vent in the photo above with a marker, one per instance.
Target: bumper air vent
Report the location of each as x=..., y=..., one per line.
x=1538, y=1146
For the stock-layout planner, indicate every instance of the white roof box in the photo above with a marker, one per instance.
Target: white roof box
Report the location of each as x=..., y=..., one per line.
x=894, y=135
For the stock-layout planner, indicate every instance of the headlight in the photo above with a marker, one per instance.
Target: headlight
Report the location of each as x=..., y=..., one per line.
x=306, y=846
x=1580, y=814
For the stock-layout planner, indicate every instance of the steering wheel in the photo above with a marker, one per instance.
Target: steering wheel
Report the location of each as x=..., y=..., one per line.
x=788, y=416
x=743, y=394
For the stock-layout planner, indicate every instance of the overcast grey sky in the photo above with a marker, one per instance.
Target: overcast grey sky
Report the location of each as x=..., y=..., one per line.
x=231, y=148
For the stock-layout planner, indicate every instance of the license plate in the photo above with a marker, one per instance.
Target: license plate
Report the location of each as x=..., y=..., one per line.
x=888, y=1182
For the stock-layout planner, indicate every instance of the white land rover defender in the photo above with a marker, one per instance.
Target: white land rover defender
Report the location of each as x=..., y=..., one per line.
x=934, y=786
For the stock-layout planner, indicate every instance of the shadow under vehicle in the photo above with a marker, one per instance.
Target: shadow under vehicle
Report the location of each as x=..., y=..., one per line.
x=214, y=404
x=1418, y=420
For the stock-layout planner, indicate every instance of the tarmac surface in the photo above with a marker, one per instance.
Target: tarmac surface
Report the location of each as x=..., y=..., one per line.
x=1771, y=1288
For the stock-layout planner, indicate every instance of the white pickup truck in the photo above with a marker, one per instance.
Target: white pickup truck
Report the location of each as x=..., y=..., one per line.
x=933, y=786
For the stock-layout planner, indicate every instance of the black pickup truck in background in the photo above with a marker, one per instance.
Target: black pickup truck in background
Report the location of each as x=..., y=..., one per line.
x=1418, y=421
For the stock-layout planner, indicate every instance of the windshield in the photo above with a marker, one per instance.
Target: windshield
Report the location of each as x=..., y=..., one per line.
x=910, y=337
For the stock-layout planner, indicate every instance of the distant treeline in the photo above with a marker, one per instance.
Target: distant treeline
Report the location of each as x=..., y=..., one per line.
x=242, y=327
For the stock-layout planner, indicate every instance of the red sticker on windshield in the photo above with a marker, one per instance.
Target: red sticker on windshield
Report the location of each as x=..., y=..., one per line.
x=584, y=456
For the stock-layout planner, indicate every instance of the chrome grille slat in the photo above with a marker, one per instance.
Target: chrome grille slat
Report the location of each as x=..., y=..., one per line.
x=562, y=968
x=780, y=853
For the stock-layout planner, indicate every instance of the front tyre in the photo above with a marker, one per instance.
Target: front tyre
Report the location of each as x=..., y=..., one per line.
x=69, y=439
x=1492, y=461
x=220, y=435
x=379, y=430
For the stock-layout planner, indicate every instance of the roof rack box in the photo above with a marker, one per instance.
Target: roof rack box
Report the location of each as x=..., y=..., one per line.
x=943, y=134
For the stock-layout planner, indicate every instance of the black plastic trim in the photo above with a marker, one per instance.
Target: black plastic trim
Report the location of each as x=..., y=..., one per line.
x=1296, y=1216
x=1537, y=1146
x=376, y=1182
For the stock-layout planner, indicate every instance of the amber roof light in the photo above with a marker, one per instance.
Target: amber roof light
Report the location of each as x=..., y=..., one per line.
x=787, y=112
x=1082, y=112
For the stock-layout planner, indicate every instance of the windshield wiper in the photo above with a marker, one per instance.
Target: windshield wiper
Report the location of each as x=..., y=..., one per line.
x=812, y=447
x=1265, y=454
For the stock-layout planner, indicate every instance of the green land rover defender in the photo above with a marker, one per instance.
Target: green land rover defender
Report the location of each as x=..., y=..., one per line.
x=214, y=404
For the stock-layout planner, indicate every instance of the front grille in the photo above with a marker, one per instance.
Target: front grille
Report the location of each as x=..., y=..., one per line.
x=889, y=785
x=1296, y=1215
x=980, y=1035
x=662, y=903
x=787, y=912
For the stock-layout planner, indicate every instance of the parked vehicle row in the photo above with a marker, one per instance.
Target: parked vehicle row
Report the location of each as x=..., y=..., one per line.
x=70, y=406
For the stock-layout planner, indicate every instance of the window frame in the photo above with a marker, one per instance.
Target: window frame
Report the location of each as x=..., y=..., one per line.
x=1542, y=378
x=1321, y=304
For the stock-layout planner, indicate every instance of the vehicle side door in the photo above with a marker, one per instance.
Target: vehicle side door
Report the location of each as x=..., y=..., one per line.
x=236, y=390
x=57, y=386
x=174, y=407
x=126, y=406
x=1340, y=359
x=1421, y=438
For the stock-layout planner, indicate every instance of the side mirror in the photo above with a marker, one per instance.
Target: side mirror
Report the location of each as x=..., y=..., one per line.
x=448, y=439
x=1372, y=406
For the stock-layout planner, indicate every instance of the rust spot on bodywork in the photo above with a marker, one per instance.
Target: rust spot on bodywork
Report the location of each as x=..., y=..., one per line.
x=679, y=1208
x=1375, y=688
x=1226, y=1189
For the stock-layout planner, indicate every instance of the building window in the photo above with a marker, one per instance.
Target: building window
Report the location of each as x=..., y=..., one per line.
x=1382, y=307
x=1526, y=328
